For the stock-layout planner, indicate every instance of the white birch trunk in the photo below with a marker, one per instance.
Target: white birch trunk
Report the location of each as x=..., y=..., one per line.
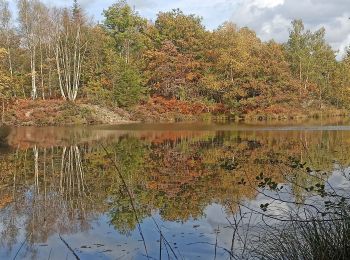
x=69, y=57
x=33, y=74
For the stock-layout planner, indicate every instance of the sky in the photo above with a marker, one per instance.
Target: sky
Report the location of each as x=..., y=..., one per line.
x=269, y=18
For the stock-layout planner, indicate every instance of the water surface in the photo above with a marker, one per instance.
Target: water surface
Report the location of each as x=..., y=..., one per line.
x=156, y=190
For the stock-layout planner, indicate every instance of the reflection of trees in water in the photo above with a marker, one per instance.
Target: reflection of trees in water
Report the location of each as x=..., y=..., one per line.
x=60, y=203
x=72, y=173
x=183, y=179
x=50, y=195
x=129, y=154
x=10, y=224
x=59, y=190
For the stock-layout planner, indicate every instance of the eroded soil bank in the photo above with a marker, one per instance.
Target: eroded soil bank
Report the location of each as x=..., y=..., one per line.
x=59, y=112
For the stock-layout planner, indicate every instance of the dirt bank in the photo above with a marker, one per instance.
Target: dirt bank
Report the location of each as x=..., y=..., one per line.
x=59, y=112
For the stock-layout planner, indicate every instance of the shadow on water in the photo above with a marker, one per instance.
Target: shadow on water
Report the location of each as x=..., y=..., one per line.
x=163, y=191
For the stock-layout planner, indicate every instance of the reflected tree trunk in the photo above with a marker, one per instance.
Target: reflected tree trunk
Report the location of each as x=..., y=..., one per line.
x=72, y=173
x=36, y=168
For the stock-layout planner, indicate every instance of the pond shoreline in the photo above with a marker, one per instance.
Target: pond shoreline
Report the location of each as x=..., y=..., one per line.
x=63, y=113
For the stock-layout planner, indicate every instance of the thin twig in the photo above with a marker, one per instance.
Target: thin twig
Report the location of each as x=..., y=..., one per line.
x=160, y=247
x=166, y=242
x=19, y=249
x=216, y=242
x=68, y=246
x=49, y=254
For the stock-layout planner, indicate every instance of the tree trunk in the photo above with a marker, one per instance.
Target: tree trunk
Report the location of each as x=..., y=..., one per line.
x=69, y=57
x=33, y=72
x=300, y=77
x=10, y=62
x=50, y=70
x=41, y=71
x=60, y=81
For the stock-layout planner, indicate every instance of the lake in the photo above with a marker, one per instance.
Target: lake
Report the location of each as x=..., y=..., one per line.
x=153, y=191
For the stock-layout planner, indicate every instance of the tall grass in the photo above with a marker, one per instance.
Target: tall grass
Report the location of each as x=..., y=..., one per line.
x=313, y=237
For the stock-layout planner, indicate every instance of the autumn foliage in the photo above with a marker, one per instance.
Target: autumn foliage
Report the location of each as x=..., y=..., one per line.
x=174, y=66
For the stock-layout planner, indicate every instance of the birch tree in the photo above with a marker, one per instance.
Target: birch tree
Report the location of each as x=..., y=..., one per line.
x=29, y=22
x=5, y=29
x=70, y=51
x=43, y=34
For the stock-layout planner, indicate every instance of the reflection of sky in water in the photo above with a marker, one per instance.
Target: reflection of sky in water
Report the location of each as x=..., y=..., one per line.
x=339, y=181
x=102, y=241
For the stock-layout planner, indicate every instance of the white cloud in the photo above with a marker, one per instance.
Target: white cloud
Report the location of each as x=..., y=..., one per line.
x=277, y=28
x=214, y=12
x=266, y=3
x=271, y=18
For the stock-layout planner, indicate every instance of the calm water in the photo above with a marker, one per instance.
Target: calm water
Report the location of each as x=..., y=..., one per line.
x=162, y=191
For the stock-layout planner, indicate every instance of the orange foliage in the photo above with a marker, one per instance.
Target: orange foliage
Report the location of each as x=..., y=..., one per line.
x=162, y=105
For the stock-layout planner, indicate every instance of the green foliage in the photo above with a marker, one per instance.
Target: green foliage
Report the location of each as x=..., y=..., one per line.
x=311, y=59
x=129, y=155
x=109, y=79
x=128, y=89
x=126, y=27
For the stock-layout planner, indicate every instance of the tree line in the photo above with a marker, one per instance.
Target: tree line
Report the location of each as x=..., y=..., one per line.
x=51, y=53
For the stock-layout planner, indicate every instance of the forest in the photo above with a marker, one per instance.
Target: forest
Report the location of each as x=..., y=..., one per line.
x=59, y=63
